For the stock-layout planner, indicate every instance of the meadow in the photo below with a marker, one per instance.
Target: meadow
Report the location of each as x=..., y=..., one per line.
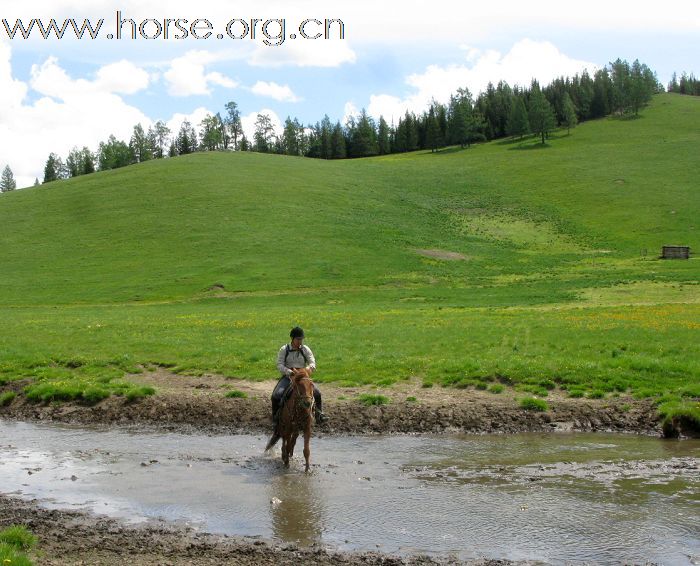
x=512, y=263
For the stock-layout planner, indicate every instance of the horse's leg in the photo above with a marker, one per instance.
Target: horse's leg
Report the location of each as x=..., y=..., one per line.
x=292, y=444
x=307, y=442
x=285, y=448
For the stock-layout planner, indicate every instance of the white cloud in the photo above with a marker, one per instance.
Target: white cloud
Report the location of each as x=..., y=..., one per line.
x=71, y=112
x=187, y=74
x=275, y=91
x=13, y=91
x=526, y=60
x=123, y=77
x=194, y=118
x=248, y=122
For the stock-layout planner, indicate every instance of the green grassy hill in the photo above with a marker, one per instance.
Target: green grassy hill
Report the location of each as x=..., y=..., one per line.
x=507, y=261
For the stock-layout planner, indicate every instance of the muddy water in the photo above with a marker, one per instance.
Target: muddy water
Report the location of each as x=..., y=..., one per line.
x=557, y=498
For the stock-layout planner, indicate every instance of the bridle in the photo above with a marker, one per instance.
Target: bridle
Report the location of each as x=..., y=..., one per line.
x=303, y=401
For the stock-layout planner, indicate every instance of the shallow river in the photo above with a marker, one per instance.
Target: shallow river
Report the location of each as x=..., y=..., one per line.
x=558, y=498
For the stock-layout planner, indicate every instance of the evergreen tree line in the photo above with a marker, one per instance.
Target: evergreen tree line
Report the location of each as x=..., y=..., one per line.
x=498, y=112
x=215, y=133
x=688, y=84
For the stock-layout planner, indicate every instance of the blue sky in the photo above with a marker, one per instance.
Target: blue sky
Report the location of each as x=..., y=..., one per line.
x=56, y=94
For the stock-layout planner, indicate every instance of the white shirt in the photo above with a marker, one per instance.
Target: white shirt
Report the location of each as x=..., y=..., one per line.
x=295, y=359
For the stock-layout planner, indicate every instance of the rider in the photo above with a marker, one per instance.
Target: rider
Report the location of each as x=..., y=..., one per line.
x=291, y=356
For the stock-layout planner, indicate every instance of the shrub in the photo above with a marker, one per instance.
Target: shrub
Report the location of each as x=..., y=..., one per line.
x=496, y=388
x=548, y=384
x=369, y=399
x=7, y=398
x=576, y=393
x=236, y=394
x=532, y=404
x=597, y=394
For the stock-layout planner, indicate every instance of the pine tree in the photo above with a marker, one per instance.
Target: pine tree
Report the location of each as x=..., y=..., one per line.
x=139, y=146
x=161, y=133
x=364, y=137
x=185, y=141
x=87, y=161
x=7, y=180
x=433, y=134
x=570, y=119
x=383, y=137
x=324, y=142
x=290, y=136
x=338, y=148
x=73, y=163
x=541, y=114
x=233, y=124
x=52, y=168
x=264, y=134
x=518, y=122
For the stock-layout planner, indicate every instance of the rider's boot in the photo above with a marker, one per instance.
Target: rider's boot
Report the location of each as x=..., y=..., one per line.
x=318, y=410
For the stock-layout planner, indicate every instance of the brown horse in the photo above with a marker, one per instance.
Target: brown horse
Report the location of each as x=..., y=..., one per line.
x=297, y=414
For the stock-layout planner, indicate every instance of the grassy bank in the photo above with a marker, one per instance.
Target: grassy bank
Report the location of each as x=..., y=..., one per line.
x=511, y=263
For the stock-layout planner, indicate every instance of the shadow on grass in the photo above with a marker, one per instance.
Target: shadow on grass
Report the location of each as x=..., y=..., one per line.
x=448, y=150
x=514, y=141
x=530, y=146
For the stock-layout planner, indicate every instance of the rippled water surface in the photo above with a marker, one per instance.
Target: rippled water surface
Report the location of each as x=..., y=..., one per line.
x=557, y=498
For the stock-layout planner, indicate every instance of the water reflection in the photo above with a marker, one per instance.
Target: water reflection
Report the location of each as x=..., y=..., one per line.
x=296, y=507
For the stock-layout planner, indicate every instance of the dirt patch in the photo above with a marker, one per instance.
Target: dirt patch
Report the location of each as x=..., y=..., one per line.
x=72, y=538
x=186, y=402
x=443, y=254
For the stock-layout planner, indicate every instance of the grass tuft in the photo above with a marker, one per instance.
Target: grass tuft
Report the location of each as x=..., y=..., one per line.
x=532, y=404
x=368, y=399
x=7, y=398
x=134, y=393
x=18, y=536
x=236, y=394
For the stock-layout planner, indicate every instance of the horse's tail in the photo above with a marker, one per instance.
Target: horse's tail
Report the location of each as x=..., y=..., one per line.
x=273, y=440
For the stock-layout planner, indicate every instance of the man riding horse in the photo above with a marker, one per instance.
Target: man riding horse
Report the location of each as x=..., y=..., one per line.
x=290, y=357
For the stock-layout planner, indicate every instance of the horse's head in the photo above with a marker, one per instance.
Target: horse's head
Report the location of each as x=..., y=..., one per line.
x=303, y=388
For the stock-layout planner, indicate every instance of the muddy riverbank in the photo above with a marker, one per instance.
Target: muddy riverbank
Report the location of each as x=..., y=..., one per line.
x=73, y=538
x=185, y=402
